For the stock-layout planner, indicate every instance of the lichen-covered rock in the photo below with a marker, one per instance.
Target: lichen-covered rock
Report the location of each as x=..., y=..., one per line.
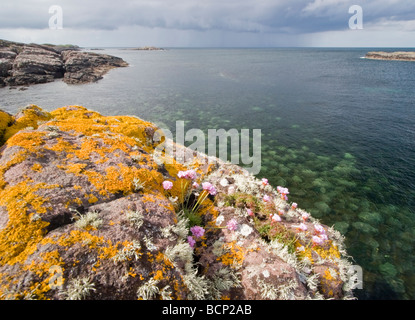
x=84, y=214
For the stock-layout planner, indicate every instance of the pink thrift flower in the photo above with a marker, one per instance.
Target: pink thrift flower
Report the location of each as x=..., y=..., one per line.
x=191, y=241
x=276, y=218
x=323, y=237
x=281, y=212
x=266, y=198
x=209, y=187
x=195, y=185
x=302, y=227
x=294, y=205
x=317, y=240
x=250, y=213
x=190, y=174
x=319, y=228
x=197, y=231
x=167, y=185
x=264, y=181
x=232, y=225
x=206, y=186
x=212, y=191
x=305, y=216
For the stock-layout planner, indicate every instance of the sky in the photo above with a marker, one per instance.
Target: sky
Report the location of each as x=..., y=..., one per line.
x=210, y=23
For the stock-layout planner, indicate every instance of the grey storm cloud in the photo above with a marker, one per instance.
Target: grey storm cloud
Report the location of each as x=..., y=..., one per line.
x=266, y=16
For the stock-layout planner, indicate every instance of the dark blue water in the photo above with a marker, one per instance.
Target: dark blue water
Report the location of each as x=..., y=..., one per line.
x=337, y=130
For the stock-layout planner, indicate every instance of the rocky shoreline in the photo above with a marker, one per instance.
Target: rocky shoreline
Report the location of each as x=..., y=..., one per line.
x=398, y=56
x=90, y=209
x=25, y=64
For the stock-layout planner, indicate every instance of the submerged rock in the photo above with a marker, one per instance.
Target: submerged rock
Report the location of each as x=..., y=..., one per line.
x=84, y=214
x=24, y=64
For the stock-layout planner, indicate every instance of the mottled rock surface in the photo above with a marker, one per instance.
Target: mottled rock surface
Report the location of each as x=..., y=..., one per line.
x=84, y=215
x=25, y=64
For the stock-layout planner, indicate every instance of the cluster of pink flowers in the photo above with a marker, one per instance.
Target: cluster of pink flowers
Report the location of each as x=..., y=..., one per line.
x=320, y=238
x=250, y=212
x=191, y=241
x=209, y=187
x=305, y=216
x=167, y=185
x=188, y=174
x=294, y=205
x=197, y=232
x=283, y=192
x=302, y=227
x=264, y=181
x=266, y=198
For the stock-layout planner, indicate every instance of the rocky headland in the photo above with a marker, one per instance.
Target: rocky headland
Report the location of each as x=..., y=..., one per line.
x=147, y=48
x=91, y=209
x=399, y=55
x=26, y=64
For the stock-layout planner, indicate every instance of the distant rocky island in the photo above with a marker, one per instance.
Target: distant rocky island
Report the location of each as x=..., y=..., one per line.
x=147, y=49
x=24, y=64
x=399, y=55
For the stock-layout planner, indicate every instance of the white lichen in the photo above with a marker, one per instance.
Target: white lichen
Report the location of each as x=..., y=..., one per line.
x=128, y=252
x=148, y=290
x=135, y=218
x=138, y=185
x=91, y=218
x=78, y=289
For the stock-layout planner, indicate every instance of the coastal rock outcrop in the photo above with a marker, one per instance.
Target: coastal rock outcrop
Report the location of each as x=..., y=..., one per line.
x=92, y=208
x=399, y=55
x=24, y=64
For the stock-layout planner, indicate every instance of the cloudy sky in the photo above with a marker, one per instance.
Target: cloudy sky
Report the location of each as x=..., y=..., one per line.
x=210, y=23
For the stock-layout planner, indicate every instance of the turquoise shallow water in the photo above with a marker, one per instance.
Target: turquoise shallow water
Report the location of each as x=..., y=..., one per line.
x=337, y=130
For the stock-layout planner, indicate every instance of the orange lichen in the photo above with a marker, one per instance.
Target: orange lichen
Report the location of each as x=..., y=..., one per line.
x=18, y=239
x=29, y=118
x=234, y=255
x=37, y=167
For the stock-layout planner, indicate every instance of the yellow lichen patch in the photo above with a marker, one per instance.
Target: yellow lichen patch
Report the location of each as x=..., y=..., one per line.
x=31, y=116
x=47, y=269
x=37, y=167
x=5, y=121
x=234, y=256
x=21, y=234
x=129, y=129
x=30, y=141
x=75, y=168
x=92, y=199
x=306, y=253
x=331, y=253
x=62, y=146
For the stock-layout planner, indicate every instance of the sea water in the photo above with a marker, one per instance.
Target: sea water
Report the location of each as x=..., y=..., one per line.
x=337, y=130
